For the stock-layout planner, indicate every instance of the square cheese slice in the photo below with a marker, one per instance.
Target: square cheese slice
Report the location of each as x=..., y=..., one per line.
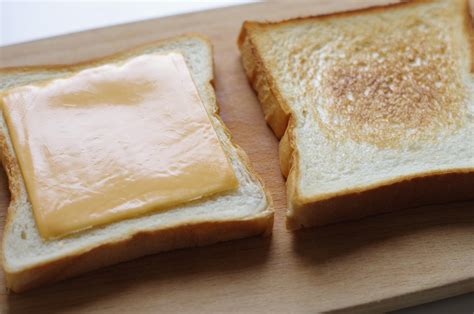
x=113, y=142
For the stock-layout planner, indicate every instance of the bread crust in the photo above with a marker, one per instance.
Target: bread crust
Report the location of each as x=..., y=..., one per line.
x=135, y=244
x=397, y=193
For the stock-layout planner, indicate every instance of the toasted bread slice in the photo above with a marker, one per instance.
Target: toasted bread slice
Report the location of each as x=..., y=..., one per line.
x=29, y=260
x=374, y=108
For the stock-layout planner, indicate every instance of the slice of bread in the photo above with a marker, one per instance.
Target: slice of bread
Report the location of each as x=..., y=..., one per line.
x=374, y=108
x=29, y=260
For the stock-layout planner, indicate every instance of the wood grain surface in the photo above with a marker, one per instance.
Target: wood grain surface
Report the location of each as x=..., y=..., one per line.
x=375, y=264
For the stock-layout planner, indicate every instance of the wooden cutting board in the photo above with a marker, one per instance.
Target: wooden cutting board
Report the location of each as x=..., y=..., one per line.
x=379, y=263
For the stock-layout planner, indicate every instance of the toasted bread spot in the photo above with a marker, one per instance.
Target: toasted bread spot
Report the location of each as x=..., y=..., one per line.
x=408, y=90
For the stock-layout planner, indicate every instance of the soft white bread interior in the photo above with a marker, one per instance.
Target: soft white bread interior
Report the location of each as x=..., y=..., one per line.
x=374, y=108
x=29, y=260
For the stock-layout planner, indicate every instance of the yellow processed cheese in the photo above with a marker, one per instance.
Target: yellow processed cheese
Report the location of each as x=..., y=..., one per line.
x=114, y=142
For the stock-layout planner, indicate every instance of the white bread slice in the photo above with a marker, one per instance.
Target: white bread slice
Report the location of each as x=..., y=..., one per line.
x=29, y=260
x=374, y=108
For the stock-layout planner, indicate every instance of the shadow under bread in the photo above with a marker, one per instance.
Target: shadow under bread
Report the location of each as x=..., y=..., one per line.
x=321, y=245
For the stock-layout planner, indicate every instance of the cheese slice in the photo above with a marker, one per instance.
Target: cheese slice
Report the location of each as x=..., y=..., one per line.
x=113, y=142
